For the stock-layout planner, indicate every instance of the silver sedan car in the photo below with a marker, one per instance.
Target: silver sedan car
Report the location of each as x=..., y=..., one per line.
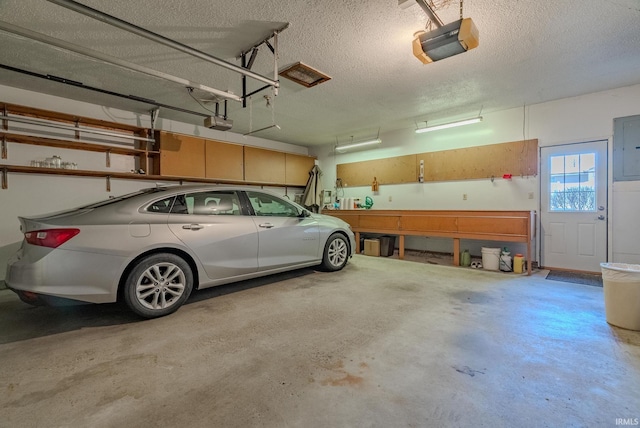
x=151, y=248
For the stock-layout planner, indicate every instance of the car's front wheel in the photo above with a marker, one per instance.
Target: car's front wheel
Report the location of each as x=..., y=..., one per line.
x=158, y=285
x=336, y=252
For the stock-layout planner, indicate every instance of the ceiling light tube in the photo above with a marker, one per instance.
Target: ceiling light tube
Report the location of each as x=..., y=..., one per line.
x=354, y=145
x=449, y=125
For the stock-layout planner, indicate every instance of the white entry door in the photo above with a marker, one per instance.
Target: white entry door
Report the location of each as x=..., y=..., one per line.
x=574, y=206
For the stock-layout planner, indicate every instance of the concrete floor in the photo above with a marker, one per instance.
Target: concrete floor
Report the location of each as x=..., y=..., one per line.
x=383, y=343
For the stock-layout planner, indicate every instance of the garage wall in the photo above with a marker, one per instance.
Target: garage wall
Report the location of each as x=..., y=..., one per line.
x=569, y=120
x=31, y=194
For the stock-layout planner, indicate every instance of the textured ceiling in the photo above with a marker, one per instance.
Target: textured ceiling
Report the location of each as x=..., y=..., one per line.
x=530, y=52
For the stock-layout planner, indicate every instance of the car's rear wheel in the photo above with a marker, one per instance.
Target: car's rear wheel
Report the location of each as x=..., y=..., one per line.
x=336, y=252
x=158, y=285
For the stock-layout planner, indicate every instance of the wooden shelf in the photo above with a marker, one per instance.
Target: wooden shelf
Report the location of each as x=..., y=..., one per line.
x=5, y=169
x=75, y=145
x=69, y=118
x=177, y=157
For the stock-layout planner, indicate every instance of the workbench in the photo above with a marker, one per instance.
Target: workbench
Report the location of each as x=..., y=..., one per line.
x=503, y=226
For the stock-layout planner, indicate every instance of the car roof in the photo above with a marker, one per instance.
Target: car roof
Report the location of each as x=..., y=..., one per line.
x=185, y=188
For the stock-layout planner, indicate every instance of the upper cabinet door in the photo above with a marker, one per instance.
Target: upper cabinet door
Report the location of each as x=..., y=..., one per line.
x=264, y=166
x=297, y=169
x=181, y=155
x=224, y=160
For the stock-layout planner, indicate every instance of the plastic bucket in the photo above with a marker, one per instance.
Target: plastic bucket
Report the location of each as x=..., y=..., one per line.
x=490, y=258
x=621, y=283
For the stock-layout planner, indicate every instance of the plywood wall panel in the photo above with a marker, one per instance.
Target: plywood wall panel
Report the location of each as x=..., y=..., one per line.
x=400, y=169
x=519, y=158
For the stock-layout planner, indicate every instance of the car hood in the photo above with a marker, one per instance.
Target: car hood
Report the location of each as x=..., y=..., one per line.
x=327, y=219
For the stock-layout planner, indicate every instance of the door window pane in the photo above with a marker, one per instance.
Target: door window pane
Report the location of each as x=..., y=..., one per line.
x=573, y=182
x=267, y=205
x=213, y=203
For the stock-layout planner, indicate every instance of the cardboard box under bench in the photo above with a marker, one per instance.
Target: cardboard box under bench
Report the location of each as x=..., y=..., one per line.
x=372, y=247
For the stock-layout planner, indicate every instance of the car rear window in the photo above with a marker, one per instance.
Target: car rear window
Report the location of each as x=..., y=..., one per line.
x=113, y=200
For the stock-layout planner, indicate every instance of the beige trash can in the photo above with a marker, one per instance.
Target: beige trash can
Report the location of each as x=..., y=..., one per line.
x=621, y=282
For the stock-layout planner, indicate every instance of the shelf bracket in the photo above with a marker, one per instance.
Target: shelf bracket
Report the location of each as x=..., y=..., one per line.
x=5, y=179
x=108, y=154
x=77, y=125
x=5, y=122
x=108, y=177
x=4, y=147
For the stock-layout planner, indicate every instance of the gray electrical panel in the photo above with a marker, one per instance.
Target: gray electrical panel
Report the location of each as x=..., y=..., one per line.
x=626, y=148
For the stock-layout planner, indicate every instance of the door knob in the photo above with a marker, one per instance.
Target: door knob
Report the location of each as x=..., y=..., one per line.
x=600, y=217
x=600, y=208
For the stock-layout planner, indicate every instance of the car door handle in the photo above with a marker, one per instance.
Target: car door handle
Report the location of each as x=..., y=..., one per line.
x=266, y=225
x=193, y=226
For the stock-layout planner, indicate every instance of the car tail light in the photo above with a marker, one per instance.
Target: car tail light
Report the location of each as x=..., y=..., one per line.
x=50, y=237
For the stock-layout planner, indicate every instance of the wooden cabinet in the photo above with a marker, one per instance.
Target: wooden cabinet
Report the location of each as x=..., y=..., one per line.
x=194, y=157
x=224, y=160
x=181, y=155
x=297, y=169
x=262, y=165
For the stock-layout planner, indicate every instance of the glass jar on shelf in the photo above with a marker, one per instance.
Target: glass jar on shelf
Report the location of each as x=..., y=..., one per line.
x=56, y=162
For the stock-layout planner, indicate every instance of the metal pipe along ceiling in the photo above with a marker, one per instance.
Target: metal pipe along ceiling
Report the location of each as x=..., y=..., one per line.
x=48, y=40
x=124, y=25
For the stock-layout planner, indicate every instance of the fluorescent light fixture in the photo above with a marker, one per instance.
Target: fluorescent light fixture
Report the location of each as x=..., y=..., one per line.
x=354, y=145
x=449, y=125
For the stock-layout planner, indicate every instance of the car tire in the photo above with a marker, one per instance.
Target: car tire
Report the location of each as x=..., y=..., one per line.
x=158, y=285
x=336, y=253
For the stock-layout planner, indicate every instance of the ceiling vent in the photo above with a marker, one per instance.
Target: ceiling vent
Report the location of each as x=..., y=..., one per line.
x=304, y=75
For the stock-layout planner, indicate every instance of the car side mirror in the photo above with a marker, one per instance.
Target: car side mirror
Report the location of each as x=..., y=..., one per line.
x=304, y=214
